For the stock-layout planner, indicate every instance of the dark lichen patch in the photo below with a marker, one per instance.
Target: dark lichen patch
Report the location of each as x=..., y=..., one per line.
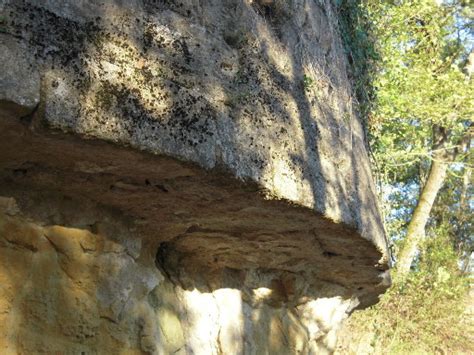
x=236, y=38
x=155, y=100
x=183, y=8
x=81, y=50
x=58, y=41
x=259, y=88
x=276, y=12
x=190, y=120
x=105, y=98
x=76, y=45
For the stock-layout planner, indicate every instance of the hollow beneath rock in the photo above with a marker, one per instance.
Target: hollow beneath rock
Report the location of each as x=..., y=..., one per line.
x=108, y=248
x=201, y=225
x=104, y=247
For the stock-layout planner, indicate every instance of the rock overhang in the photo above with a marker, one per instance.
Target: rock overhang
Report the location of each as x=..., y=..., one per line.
x=201, y=224
x=289, y=188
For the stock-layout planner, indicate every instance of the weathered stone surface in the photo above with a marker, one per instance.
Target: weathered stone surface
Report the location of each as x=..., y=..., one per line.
x=19, y=79
x=199, y=224
x=260, y=91
x=70, y=290
x=243, y=218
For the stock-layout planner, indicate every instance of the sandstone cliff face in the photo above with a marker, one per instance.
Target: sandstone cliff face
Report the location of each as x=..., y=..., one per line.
x=181, y=177
x=72, y=290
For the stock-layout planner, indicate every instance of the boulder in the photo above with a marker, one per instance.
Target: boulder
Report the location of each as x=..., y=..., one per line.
x=181, y=177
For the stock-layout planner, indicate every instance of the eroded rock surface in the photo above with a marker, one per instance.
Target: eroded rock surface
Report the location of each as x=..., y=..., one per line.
x=99, y=289
x=241, y=218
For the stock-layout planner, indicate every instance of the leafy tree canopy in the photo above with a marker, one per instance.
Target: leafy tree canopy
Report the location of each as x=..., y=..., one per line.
x=421, y=80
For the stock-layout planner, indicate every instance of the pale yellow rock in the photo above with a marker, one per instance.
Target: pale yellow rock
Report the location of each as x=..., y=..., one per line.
x=171, y=184
x=8, y=206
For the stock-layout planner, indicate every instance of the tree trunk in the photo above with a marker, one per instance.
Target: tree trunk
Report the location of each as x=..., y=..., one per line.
x=416, y=227
x=463, y=214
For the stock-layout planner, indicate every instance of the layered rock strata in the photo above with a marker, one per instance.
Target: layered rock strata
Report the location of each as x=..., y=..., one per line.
x=181, y=177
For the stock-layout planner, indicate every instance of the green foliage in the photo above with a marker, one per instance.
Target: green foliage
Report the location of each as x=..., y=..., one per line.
x=454, y=212
x=308, y=82
x=356, y=30
x=420, y=81
x=409, y=59
x=426, y=313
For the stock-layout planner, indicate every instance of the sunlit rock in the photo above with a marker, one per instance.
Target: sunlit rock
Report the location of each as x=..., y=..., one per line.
x=181, y=177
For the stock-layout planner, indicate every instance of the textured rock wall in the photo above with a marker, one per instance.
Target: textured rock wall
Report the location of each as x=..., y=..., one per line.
x=259, y=90
x=181, y=177
x=77, y=290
